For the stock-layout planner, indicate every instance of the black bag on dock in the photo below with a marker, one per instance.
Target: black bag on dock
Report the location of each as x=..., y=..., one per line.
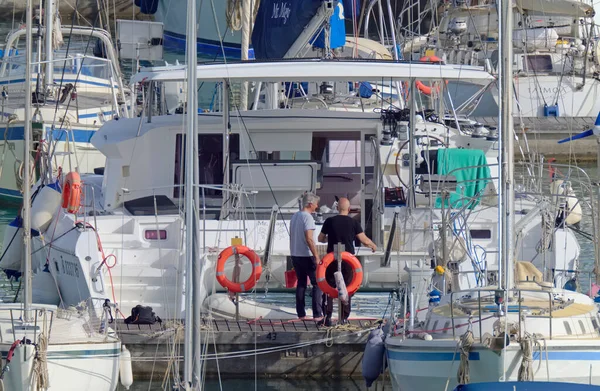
x=142, y=315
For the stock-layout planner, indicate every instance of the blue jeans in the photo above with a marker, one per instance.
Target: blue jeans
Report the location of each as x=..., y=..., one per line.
x=306, y=267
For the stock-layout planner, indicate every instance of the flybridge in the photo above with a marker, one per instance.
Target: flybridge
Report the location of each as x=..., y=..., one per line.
x=318, y=70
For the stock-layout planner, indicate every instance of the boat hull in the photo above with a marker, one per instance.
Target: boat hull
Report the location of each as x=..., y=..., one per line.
x=415, y=369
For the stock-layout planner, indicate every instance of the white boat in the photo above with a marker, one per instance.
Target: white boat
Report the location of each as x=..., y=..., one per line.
x=547, y=33
x=520, y=328
x=47, y=348
x=135, y=213
x=72, y=98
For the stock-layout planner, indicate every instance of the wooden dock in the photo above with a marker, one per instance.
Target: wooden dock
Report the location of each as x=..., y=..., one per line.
x=245, y=349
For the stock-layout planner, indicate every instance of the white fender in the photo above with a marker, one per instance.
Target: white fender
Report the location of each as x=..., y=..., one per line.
x=12, y=246
x=44, y=206
x=125, y=371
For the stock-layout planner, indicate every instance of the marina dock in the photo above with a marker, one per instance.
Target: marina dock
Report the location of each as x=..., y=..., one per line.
x=245, y=349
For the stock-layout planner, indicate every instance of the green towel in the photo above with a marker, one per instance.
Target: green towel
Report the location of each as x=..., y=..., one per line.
x=470, y=181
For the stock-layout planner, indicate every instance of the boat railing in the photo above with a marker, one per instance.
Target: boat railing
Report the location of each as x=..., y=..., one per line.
x=37, y=318
x=498, y=294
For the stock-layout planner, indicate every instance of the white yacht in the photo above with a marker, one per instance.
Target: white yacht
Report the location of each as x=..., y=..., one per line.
x=125, y=242
x=521, y=327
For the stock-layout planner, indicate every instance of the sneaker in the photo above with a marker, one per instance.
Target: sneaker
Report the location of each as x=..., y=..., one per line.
x=318, y=319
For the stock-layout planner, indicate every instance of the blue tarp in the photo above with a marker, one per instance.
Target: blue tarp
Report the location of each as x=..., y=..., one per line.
x=349, y=11
x=278, y=24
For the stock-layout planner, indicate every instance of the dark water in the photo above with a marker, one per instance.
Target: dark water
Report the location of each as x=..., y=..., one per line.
x=271, y=385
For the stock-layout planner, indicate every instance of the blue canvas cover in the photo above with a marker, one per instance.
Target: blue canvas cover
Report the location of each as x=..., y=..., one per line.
x=337, y=36
x=278, y=24
x=349, y=11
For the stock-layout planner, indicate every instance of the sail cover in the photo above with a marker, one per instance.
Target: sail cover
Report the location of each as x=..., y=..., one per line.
x=278, y=24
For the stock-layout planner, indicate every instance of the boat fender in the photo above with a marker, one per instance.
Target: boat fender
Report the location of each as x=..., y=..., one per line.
x=125, y=371
x=44, y=206
x=341, y=287
x=12, y=246
x=373, y=362
x=71, y=198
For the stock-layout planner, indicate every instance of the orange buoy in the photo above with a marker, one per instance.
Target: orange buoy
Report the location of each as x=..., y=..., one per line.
x=71, y=197
x=357, y=276
x=422, y=87
x=238, y=287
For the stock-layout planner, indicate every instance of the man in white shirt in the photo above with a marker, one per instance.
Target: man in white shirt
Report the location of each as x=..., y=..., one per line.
x=305, y=258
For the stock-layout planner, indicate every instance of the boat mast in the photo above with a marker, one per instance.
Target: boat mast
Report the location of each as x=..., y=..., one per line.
x=505, y=92
x=26, y=267
x=191, y=118
x=49, y=13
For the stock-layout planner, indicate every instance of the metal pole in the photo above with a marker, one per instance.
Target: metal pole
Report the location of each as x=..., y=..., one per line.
x=49, y=47
x=226, y=130
x=192, y=112
x=247, y=9
x=507, y=129
x=412, y=147
x=338, y=249
x=27, y=279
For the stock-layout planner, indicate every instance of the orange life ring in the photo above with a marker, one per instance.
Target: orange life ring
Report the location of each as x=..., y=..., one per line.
x=357, y=278
x=422, y=87
x=238, y=287
x=71, y=196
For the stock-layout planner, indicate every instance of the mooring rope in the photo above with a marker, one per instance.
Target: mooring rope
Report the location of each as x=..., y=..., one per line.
x=40, y=366
x=526, y=369
x=465, y=344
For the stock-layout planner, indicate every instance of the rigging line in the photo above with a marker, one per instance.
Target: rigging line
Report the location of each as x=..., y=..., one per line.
x=64, y=64
x=75, y=85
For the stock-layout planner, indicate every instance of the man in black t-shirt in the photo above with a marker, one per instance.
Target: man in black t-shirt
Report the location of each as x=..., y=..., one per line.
x=341, y=229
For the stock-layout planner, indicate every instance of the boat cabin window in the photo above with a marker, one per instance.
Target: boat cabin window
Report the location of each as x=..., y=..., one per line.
x=568, y=327
x=446, y=326
x=538, y=63
x=582, y=326
x=595, y=324
x=347, y=153
x=481, y=234
x=210, y=159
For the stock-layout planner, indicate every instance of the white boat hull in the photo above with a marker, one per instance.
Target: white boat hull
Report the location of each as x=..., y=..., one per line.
x=414, y=369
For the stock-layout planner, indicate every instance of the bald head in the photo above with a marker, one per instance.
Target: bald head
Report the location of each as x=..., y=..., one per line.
x=344, y=206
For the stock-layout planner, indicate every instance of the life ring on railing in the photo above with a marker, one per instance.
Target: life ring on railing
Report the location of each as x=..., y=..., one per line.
x=427, y=90
x=357, y=276
x=238, y=287
x=71, y=197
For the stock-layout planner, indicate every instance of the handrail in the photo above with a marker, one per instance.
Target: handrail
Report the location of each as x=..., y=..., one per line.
x=493, y=290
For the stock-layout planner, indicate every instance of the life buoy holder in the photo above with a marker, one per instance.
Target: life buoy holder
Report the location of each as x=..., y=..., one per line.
x=238, y=287
x=427, y=90
x=71, y=197
x=357, y=276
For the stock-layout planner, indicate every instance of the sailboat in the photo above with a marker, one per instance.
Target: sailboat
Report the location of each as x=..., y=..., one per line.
x=75, y=92
x=46, y=347
x=522, y=328
x=137, y=202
